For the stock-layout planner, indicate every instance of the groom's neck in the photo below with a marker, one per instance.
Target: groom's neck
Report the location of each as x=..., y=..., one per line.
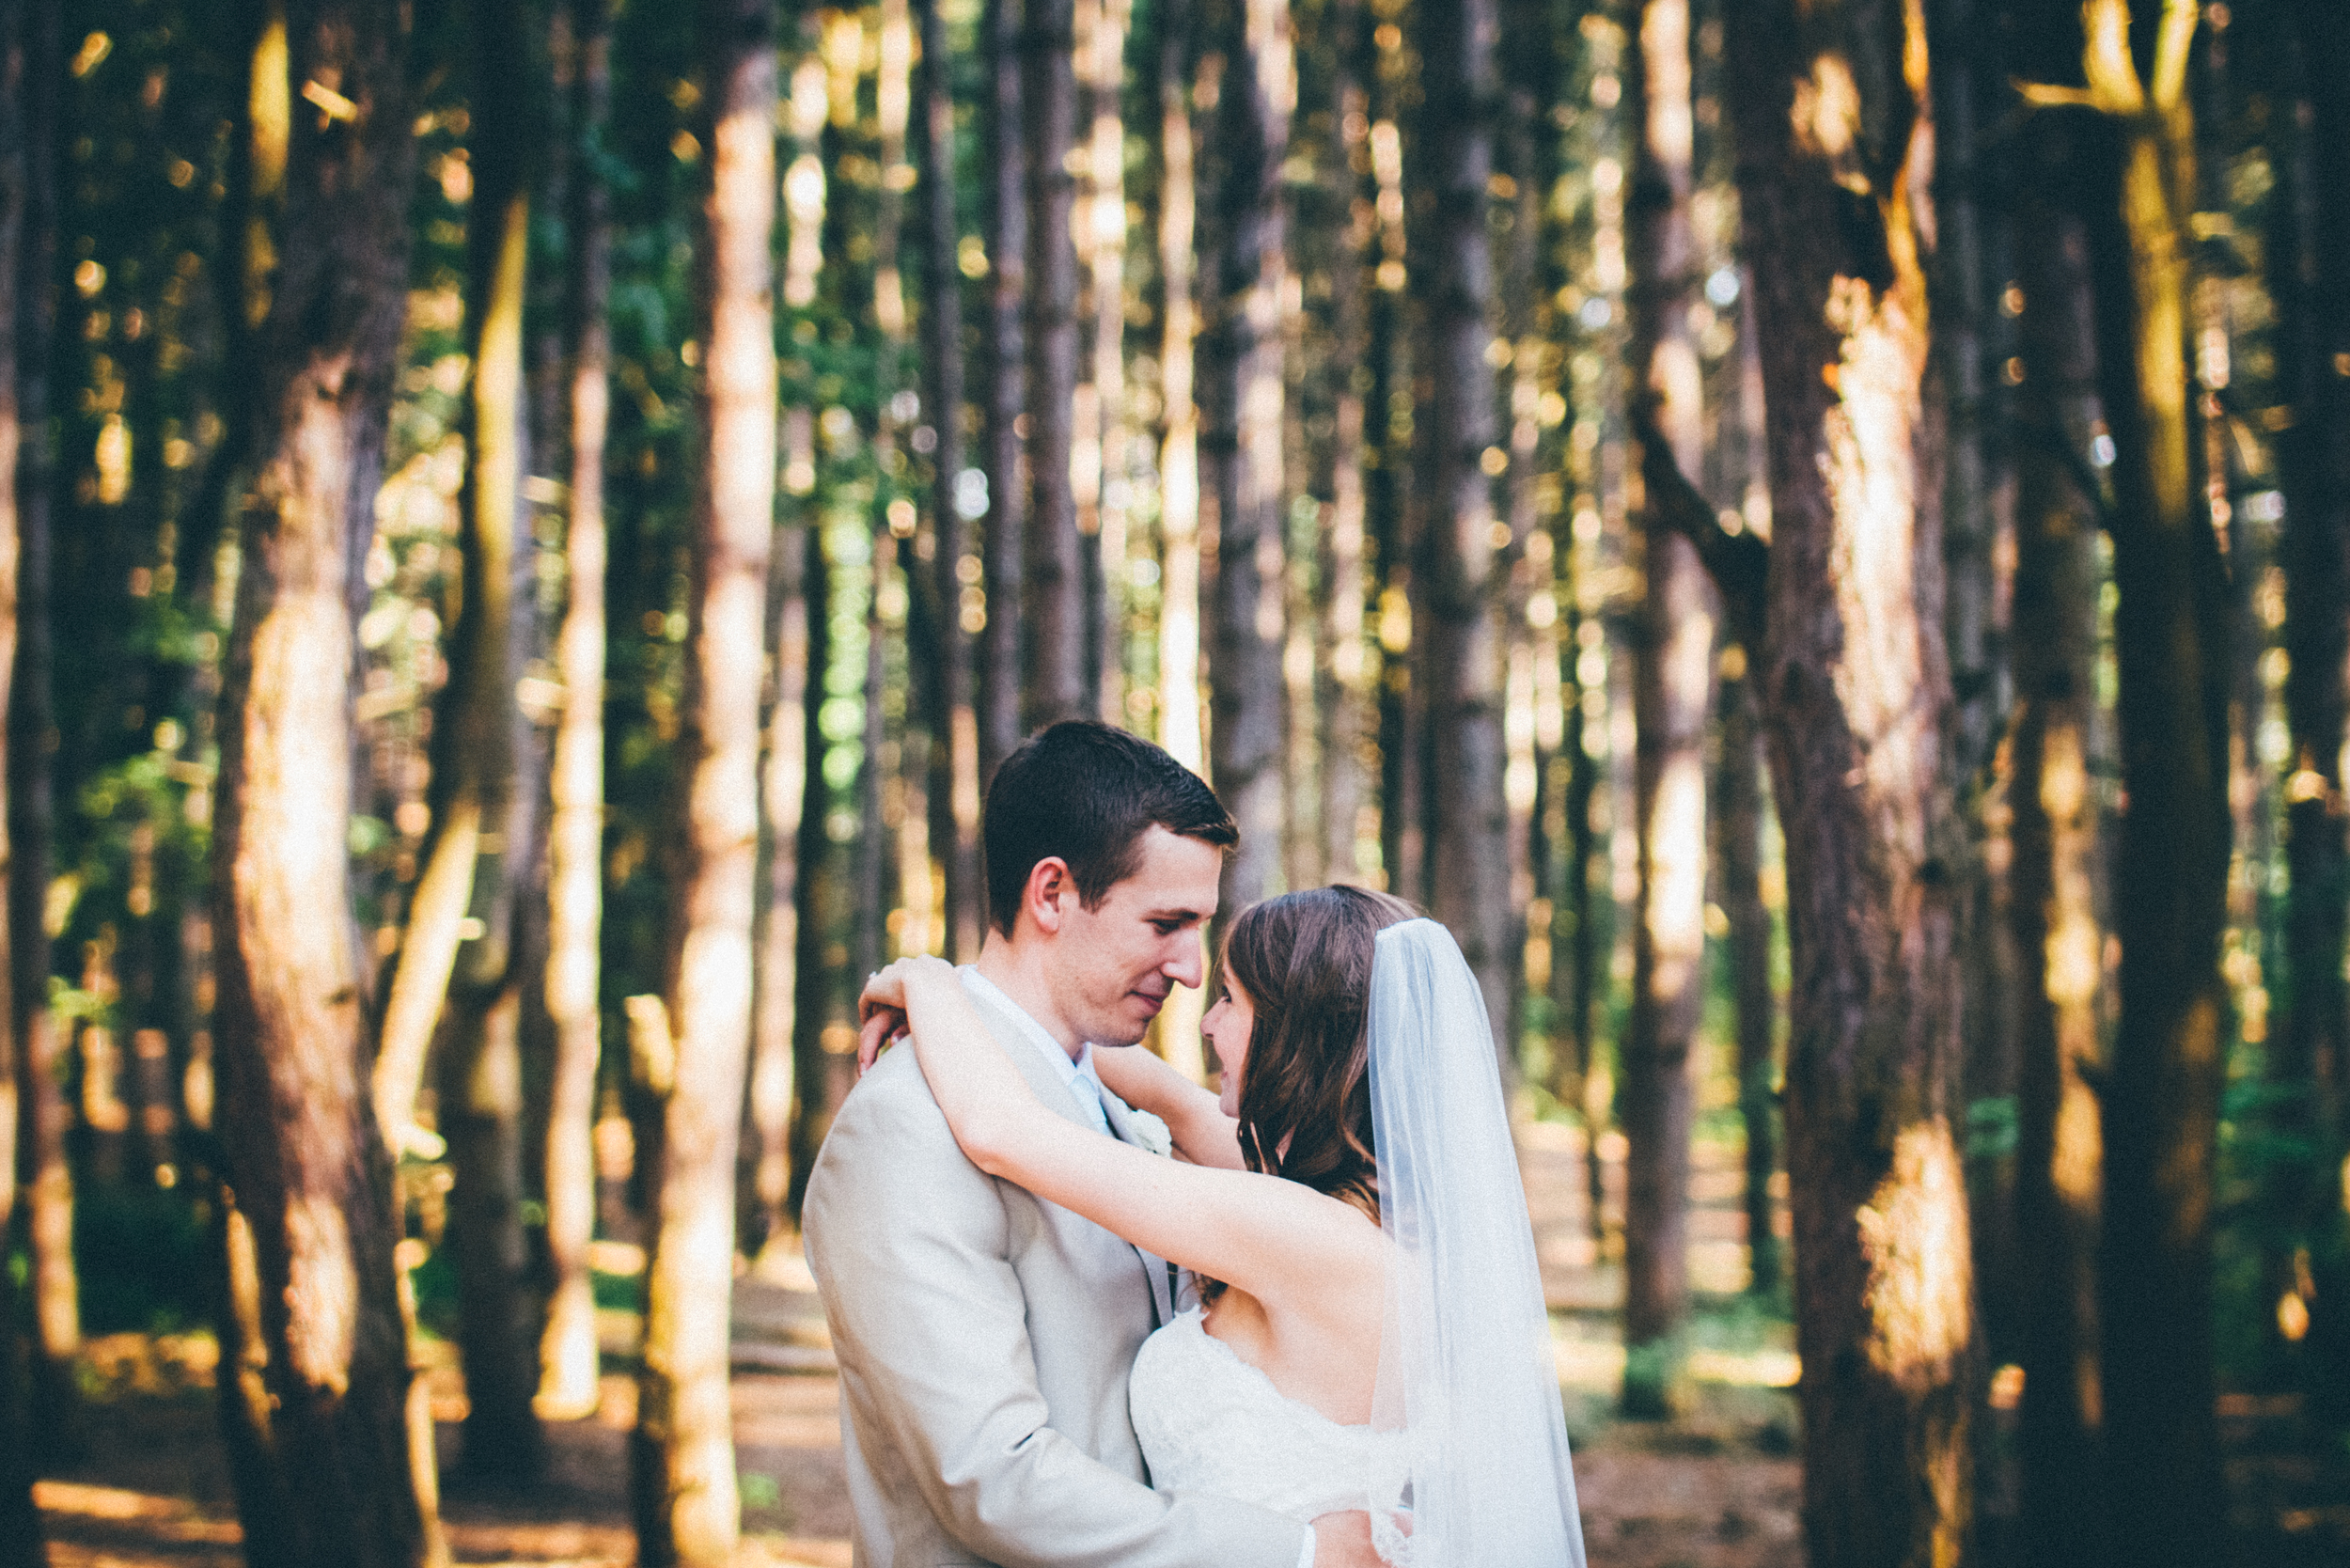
x=1017, y=969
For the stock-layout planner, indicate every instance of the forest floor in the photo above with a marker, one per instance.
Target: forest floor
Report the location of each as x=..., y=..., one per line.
x=1717, y=1487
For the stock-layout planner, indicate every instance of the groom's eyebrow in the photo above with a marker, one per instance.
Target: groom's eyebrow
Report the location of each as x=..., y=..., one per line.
x=1190, y=916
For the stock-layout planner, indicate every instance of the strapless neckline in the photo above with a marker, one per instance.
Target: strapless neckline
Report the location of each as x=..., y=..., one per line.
x=1210, y=1421
x=1198, y=1317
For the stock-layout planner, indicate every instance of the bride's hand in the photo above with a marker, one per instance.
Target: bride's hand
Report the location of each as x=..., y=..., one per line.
x=882, y=1007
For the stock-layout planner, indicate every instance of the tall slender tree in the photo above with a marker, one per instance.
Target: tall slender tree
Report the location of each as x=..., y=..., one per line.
x=1469, y=883
x=1672, y=697
x=1344, y=671
x=1058, y=678
x=2309, y=280
x=1830, y=111
x=2160, y=1097
x=1738, y=820
x=315, y=1366
x=955, y=783
x=1241, y=435
x=683, y=1450
x=20, y=1521
x=568, y=1354
x=31, y=803
x=488, y=750
x=2052, y=882
x=1002, y=651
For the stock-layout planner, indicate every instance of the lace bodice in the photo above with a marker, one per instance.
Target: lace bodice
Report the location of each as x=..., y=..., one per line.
x=1211, y=1423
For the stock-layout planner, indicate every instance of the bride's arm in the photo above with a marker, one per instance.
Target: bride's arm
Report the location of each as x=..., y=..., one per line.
x=1204, y=1134
x=1275, y=1239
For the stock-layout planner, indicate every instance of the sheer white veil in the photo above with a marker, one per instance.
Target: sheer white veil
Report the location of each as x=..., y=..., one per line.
x=1465, y=1367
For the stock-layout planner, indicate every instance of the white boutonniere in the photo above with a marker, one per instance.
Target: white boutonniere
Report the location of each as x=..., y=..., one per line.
x=1151, y=1133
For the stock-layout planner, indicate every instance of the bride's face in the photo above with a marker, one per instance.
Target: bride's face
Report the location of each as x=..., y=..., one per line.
x=1227, y=1026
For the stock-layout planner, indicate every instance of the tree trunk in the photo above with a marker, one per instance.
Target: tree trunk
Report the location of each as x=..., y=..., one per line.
x=1241, y=435
x=21, y=1543
x=682, y=1452
x=31, y=810
x=1344, y=669
x=1106, y=633
x=1057, y=676
x=1180, y=699
x=2052, y=908
x=1738, y=860
x=2308, y=279
x=817, y=1077
x=1856, y=701
x=1672, y=694
x=485, y=747
x=1387, y=490
x=2160, y=1098
x=1470, y=884
x=1180, y=730
x=1965, y=50
x=1002, y=650
x=1575, y=982
x=783, y=788
x=568, y=1354
x=955, y=788
x=315, y=1368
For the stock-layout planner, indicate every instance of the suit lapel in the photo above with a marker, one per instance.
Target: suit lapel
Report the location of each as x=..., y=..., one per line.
x=1160, y=1271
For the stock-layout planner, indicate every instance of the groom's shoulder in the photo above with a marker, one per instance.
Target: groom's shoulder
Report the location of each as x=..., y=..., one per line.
x=893, y=1093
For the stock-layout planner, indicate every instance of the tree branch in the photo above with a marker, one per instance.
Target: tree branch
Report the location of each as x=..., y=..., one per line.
x=1738, y=563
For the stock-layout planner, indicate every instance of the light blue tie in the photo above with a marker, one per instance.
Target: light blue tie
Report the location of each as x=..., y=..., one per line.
x=1089, y=1095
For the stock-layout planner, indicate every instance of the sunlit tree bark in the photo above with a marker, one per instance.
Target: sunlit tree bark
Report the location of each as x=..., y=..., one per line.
x=568, y=1356
x=2052, y=911
x=1672, y=696
x=314, y=1372
x=682, y=1452
x=2160, y=1097
x=1834, y=157
x=1241, y=438
x=1469, y=881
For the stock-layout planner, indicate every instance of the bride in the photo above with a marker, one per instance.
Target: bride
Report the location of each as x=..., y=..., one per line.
x=1370, y=1333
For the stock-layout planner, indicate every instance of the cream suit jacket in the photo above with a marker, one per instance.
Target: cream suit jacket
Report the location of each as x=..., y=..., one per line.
x=984, y=1336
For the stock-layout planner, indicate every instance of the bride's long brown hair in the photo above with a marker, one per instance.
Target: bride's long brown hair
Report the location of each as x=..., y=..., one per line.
x=1303, y=962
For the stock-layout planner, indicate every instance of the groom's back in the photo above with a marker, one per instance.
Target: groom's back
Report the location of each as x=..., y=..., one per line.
x=968, y=1317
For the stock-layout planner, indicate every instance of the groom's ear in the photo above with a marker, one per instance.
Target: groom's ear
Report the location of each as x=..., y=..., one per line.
x=1049, y=888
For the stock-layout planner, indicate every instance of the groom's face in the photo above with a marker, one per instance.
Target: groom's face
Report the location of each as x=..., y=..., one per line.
x=1117, y=963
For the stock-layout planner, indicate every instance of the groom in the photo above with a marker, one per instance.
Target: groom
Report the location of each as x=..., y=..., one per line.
x=984, y=1334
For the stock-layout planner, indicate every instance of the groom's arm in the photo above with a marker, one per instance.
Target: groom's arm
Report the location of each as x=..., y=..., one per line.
x=911, y=1244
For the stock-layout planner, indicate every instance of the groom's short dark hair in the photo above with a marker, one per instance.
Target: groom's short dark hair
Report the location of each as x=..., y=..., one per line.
x=1087, y=792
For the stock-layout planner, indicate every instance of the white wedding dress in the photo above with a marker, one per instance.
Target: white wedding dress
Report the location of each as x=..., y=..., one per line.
x=1464, y=1464
x=1211, y=1423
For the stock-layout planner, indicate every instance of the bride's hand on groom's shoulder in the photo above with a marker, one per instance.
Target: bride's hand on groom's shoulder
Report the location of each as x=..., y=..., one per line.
x=882, y=1007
